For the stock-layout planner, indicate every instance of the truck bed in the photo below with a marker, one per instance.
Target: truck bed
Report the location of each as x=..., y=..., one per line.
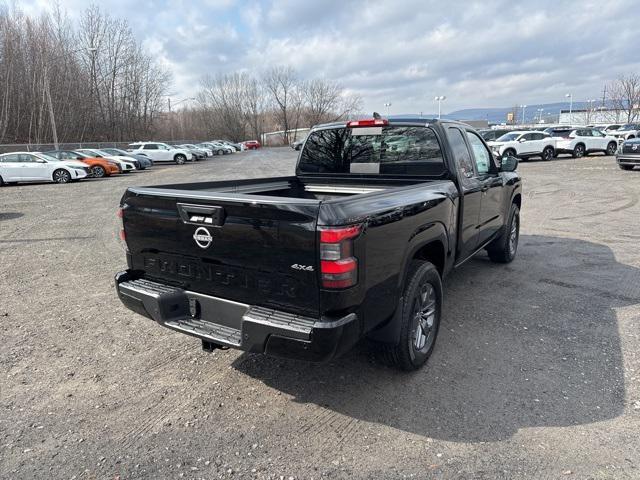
x=286, y=187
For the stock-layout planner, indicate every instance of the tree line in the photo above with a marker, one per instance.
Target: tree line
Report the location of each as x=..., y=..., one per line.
x=88, y=82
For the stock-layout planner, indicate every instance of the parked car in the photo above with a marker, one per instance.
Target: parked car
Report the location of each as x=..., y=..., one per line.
x=297, y=145
x=127, y=164
x=37, y=167
x=628, y=155
x=145, y=162
x=197, y=153
x=202, y=149
x=252, y=144
x=608, y=127
x=100, y=167
x=216, y=148
x=626, y=132
x=237, y=147
x=161, y=152
x=525, y=144
x=491, y=134
x=582, y=141
x=355, y=244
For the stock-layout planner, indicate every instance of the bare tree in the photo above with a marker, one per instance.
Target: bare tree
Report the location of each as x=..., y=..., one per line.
x=282, y=84
x=624, y=95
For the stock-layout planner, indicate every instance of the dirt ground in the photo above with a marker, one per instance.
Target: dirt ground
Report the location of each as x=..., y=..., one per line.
x=535, y=374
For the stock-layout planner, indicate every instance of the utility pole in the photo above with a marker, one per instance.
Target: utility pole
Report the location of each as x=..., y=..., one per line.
x=170, y=119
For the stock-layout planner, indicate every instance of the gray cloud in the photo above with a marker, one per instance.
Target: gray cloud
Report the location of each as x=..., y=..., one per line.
x=485, y=53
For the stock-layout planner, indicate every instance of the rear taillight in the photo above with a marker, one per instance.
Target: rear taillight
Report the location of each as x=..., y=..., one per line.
x=121, y=235
x=338, y=266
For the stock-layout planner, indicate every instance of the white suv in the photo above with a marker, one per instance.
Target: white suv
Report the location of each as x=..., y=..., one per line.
x=581, y=141
x=161, y=152
x=524, y=144
x=38, y=167
x=626, y=132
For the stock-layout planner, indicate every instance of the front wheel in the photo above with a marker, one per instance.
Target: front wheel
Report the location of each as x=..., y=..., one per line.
x=626, y=167
x=180, y=159
x=548, y=153
x=61, y=176
x=98, y=171
x=611, y=148
x=509, y=152
x=219, y=152
x=504, y=248
x=420, y=321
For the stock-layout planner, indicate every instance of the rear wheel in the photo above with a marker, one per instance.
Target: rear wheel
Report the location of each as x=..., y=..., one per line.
x=504, y=248
x=61, y=176
x=578, y=151
x=180, y=159
x=219, y=152
x=421, y=311
x=611, y=148
x=98, y=172
x=547, y=153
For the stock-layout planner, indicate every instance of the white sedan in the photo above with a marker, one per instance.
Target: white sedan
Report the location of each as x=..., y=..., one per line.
x=126, y=164
x=38, y=167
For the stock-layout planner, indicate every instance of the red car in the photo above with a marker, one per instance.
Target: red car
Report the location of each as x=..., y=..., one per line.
x=252, y=144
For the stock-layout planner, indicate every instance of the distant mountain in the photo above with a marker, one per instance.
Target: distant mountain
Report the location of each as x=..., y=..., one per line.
x=499, y=115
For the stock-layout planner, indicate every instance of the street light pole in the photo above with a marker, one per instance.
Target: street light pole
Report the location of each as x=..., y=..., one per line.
x=523, y=107
x=388, y=104
x=440, y=99
x=175, y=104
x=570, y=97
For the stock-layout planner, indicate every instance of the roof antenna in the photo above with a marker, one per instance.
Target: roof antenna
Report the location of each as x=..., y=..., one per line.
x=376, y=116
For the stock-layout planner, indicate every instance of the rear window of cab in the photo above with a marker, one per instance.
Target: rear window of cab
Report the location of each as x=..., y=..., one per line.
x=387, y=150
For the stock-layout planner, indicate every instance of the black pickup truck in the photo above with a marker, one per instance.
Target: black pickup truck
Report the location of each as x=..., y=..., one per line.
x=355, y=245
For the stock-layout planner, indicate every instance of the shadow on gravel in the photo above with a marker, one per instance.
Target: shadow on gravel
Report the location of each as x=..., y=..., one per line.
x=530, y=344
x=10, y=215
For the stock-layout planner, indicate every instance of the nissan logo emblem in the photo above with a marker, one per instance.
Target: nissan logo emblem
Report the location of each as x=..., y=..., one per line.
x=202, y=237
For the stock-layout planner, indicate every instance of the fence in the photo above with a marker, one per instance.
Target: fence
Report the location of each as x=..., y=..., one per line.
x=43, y=147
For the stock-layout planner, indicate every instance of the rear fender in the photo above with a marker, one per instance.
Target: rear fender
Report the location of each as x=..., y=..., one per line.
x=434, y=233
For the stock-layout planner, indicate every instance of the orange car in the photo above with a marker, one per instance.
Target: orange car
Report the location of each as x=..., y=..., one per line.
x=100, y=167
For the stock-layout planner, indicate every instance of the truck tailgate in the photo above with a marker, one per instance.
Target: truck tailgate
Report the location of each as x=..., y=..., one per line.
x=247, y=249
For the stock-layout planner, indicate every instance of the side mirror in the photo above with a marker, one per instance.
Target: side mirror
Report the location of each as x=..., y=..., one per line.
x=78, y=158
x=508, y=164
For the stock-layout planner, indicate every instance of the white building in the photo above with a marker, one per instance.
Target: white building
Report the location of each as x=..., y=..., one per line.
x=594, y=116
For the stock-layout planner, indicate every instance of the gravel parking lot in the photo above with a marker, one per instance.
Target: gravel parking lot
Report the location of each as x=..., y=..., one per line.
x=535, y=374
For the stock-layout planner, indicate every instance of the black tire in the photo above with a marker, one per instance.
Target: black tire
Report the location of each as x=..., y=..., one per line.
x=1, y=181
x=578, y=151
x=421, y=313
x=180, y=159
x=611, y=149
x=548, y=153
x=626, y=167
x=504, y=248
x=219, y=152
x=61, y=176
x=97, y=171
x=509, y=152
x=630, y=137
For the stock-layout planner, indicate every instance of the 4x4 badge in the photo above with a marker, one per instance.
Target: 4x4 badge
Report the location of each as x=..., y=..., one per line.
x=202, y=237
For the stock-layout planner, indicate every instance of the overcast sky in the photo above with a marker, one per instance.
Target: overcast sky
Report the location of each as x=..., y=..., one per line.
x=478, y=54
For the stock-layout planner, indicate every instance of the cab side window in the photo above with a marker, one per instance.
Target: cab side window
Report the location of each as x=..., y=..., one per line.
x=151, y=146
x=481, y=155
x=460, y=152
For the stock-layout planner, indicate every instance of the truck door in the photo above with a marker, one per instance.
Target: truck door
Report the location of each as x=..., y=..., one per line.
x=491, y=216
x=471, y=187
